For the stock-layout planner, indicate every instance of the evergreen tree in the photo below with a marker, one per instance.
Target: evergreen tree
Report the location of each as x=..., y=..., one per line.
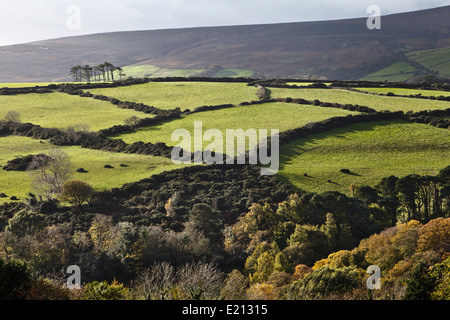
x=419, y=284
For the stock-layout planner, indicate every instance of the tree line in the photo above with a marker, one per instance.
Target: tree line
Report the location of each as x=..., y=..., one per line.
x=101, y=72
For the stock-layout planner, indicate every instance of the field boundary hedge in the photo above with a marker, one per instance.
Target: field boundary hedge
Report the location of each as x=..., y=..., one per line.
x=100, y=141
x=391, y=94
x=430, y=117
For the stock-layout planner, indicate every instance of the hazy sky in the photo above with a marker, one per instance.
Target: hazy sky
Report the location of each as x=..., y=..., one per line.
x=29, y=20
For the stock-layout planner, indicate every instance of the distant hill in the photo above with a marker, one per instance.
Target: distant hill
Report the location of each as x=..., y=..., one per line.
x=408, y=45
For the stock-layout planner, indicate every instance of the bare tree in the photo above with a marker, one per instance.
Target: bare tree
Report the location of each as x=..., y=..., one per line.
x=200, y=280
x=12, y=116
x=157, y=281
x=50, y=173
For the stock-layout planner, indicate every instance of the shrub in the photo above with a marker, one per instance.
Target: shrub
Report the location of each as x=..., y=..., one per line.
x=30, y=162
x=324, y=282
x=131, y=121
x=14, y=279
x=77, y=192
x=103, y=291
x=420, y=284
x=26, y=223
x=12, y=116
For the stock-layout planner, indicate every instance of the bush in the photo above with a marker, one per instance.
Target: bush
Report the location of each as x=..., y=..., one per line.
x=419, y=284
x=12, y=116
x=77, y=192
x=131, y=121
x=15, y=279
x=103, y=291
x=26, y=223
x=324, y=282
x=30, y=162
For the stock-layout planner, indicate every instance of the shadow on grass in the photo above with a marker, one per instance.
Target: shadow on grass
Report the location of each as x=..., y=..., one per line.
x=353, y=174
x=296, y=148
x=152, y=128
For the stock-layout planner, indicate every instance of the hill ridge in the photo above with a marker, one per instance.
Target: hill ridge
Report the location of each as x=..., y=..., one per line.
x=329, y=49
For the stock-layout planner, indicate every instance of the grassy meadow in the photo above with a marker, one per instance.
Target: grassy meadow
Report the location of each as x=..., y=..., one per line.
x=407, y=92
x=305, y=84
x=281, y=116
x=60, y=110
x=183, y=95
x=371, y=151
x=14, y=183
x=142, y=71
x=378, y=103
x=396, y=72
x=149, y=71
x=24, y=84
x=436, y=59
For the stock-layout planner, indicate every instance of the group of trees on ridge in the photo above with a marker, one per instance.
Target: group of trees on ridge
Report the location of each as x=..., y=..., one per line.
x=101, y=72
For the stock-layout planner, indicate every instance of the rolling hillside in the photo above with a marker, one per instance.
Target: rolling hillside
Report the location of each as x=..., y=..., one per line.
x=406, y=45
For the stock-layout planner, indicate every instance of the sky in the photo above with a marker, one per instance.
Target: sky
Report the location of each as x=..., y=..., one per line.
x=24, y=21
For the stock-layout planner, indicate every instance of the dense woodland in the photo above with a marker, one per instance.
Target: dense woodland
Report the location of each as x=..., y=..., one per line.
x=221, y=231
x=228, y=233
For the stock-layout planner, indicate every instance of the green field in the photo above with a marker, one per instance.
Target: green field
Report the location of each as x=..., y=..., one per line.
x=396, y=72
x=437, y=59
x=60, y=110
x=378, y=103
x=183, y=95
x=407, y=92
x=371, y=151
x=24, y=84
x=281, y=116
x=149, y=71
x=234, y=73
x=14, y=183
x=305, y=84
